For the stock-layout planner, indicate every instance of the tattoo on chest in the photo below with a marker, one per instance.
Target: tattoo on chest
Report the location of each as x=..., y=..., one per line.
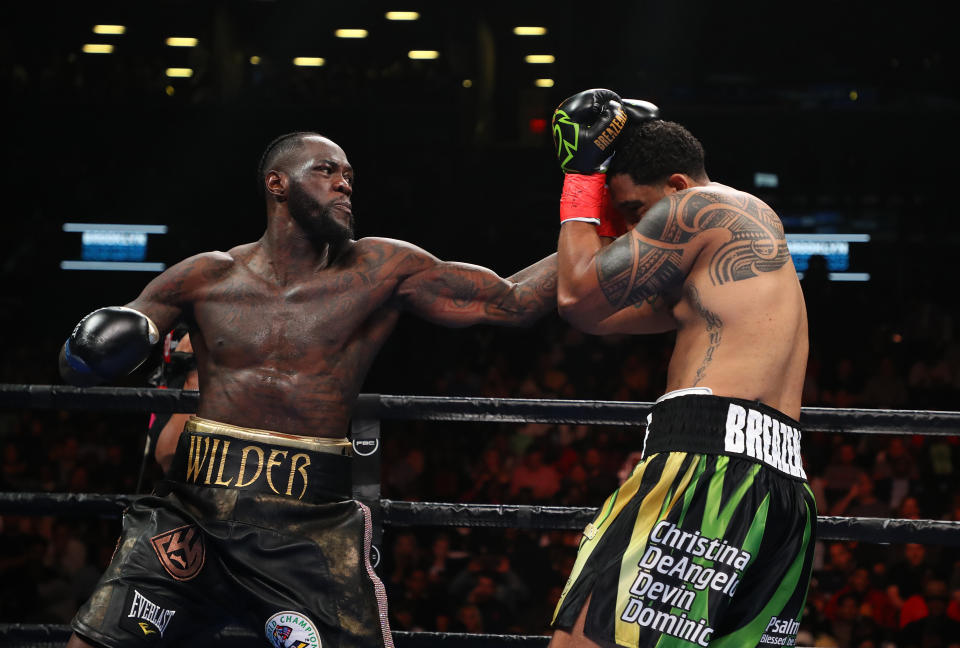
x=648, y=262
x=714, y=328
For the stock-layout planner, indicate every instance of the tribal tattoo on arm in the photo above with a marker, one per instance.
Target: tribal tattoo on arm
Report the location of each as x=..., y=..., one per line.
x=459, y=294
x=656, y=257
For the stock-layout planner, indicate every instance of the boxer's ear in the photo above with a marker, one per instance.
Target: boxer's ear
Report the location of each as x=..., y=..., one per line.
x=679, y=181
x=276, y=184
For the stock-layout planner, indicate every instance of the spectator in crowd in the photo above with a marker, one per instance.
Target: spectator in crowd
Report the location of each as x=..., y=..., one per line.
x=842, y=473
x=540, y=479
x=860, y=501
x=911, y=572
x=924, y=619
x=893, y=471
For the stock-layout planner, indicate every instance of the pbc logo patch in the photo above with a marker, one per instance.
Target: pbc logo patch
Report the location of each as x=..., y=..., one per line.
x=145, y=617
x=291, y=630
x=181, y=551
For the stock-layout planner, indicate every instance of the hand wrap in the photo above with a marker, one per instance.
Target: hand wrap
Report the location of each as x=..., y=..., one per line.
x=583, y=198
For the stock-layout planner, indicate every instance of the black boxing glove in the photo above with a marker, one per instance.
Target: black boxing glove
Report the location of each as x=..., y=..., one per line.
x=639, y=110
x=106, y=344
x=585, y=127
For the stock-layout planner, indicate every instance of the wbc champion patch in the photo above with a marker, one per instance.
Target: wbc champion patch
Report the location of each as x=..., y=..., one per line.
x=291, y=630
x=181, y=551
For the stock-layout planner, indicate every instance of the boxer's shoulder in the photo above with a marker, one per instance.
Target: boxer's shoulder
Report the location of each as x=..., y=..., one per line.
x=204, y=263
x=399, y=257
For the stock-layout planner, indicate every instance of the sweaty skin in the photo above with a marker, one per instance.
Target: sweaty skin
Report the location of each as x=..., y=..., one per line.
x=285, y=328
x=708, y=261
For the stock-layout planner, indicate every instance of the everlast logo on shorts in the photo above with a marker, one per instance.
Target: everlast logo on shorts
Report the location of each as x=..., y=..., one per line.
x=181, y=551
x=146, y=617
x=758, y=435
x=221, y=462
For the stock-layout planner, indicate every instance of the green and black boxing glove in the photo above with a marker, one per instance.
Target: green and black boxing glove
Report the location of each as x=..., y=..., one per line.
x=585, y=127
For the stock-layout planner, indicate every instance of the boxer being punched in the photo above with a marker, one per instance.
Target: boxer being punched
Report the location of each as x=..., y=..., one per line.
x=254, y=524
x=710, y=540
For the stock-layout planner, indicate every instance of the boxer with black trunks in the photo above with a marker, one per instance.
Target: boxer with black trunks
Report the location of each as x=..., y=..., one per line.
x=255, y=524
x=710, y=540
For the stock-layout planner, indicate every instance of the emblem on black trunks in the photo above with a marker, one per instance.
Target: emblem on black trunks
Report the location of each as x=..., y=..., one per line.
x=365, y=447
x=146, y=616
x=291, y=630
x=181, y=551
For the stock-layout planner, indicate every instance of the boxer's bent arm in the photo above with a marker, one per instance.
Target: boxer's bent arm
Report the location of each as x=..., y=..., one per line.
x=460, y=294
x=595, y=282
x=163, y=299
x=108, y=349
x=652, y=315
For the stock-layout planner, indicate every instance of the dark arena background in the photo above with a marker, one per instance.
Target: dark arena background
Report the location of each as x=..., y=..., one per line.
x=843, y=116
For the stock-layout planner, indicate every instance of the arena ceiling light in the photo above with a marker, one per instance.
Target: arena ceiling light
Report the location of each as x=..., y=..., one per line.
x=181, y=41
x=350, y=33
x=109, y=29
x=544, y=83
x=309, y=61
x=539, y=58
x=402, y=15
x=423, y=54
x=179, y=73
x=529, y=31
x=97, y=48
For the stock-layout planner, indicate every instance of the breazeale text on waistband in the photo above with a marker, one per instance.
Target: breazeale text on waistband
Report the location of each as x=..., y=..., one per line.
x=754, y=434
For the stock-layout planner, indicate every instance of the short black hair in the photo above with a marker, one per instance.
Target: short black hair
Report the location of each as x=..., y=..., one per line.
x=654, y=150
x=277, y=149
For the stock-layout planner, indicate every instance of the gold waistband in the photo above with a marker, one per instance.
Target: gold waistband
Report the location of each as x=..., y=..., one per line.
x=317, y=444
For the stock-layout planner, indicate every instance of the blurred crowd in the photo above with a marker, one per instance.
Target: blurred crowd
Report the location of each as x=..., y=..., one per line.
x=508, y=581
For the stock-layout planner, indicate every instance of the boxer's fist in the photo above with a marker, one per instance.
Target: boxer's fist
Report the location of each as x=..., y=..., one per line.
x=585, y=127
x=106, y=344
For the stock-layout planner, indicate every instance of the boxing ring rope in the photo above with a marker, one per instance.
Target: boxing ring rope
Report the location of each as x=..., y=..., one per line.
x=470, y=409
x=500, y=516
x=42, y=635
x=371, y=409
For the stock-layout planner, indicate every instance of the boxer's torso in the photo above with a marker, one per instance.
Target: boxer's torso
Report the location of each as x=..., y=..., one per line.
x=741, y=318
x=290, y=356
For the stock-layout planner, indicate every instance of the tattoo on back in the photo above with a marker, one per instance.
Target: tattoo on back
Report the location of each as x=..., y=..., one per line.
x=714, y=329
x=648, y=262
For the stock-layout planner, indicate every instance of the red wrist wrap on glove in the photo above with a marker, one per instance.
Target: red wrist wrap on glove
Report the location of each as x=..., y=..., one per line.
x=612, y=223
x=583, y=198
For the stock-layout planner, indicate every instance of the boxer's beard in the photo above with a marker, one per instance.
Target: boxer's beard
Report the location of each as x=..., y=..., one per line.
x=317, y=220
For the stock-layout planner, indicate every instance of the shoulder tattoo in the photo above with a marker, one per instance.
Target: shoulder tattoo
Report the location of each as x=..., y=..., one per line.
x=647, y=262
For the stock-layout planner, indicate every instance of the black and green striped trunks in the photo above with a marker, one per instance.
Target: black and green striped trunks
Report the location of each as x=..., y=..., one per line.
x=709, y=542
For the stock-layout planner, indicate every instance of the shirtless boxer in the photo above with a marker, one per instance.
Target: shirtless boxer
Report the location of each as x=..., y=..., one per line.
x=255, y=524
x=710, y=540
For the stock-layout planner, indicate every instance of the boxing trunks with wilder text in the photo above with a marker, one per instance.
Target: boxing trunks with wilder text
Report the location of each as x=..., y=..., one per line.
x=253, y=529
